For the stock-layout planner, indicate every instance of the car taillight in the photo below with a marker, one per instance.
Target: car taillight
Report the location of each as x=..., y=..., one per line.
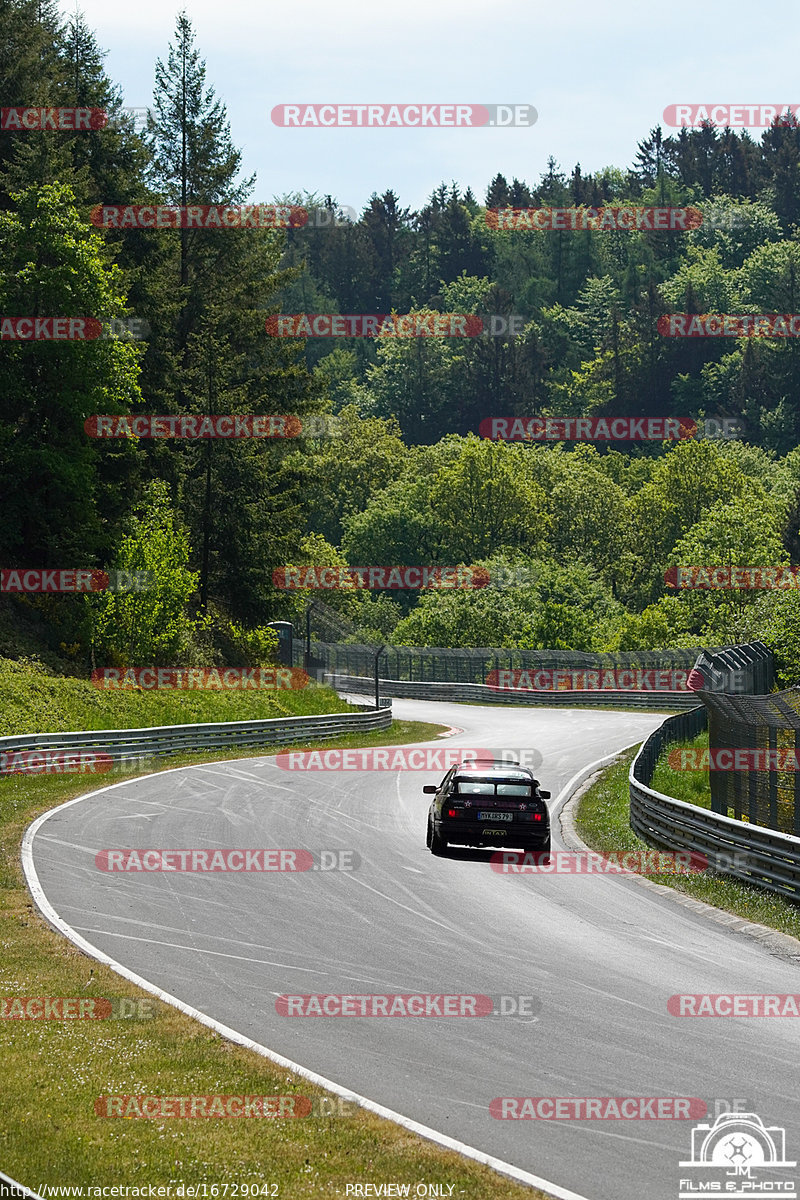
x=452, y=812
x=537, y=816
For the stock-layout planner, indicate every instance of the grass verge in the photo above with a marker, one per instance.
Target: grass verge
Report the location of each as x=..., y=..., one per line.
x=54, y=1070
x=602, y=820
x=690, y=786
x=34, y=700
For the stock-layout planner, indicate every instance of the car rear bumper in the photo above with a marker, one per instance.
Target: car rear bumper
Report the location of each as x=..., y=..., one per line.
x=479, y=833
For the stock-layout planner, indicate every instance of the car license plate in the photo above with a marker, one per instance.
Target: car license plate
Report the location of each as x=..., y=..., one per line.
x=495, y=816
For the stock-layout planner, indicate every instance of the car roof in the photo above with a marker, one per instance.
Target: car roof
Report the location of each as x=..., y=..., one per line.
x=489, y=764
x=490, y=772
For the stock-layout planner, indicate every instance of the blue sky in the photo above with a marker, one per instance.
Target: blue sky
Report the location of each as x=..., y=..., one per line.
x=600, y=76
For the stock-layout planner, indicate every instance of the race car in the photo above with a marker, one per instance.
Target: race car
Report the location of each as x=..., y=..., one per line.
x=488, y=803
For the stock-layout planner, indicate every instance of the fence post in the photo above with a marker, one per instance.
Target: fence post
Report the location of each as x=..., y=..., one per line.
x=773, y=782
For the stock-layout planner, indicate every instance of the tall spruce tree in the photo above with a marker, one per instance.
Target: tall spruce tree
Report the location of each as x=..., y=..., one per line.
x=211, y=292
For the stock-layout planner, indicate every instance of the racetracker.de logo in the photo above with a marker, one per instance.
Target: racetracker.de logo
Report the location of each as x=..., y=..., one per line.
x=71, y=1008
x=406, y=1004
x=587, y=862
x=622, y=679
x=735, y=578
x=73, y=579
x=233, y=426
x=53, y=762
x=587, y=429
x=743, y=1004
x=126, y=329
x=401, y=325
x=237, y=679
x=597, y=1108
x=198, y=216
x=391, y=578
x=158, y=1107
x=403, y=116
x=729, y=325
x=49, y=329
x=73, y=119
x=669, y=220
x=227, y=861
x=605, y=429
x=382, y=759
x=737, y=758
x=730, y=116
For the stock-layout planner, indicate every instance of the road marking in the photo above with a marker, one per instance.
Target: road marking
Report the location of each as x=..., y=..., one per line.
x=424, y=1131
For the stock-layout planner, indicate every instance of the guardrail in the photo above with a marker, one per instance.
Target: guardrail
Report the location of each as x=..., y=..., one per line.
x=761, y=857
x=125, y=744
x=478, y=693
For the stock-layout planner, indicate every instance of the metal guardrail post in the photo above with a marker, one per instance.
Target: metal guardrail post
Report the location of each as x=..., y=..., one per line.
x=765, y=858
x=125, y=745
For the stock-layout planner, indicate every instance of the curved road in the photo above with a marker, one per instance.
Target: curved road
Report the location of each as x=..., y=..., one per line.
x=602, y=954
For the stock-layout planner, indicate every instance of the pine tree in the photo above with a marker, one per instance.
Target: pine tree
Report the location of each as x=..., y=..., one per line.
x=520, y=195
x=781, y=152
x=209, y=336
x=111, y=161
x=31, y=75
x=497, y=195
x=194, y=159
x=60, y=500
x=386, y=225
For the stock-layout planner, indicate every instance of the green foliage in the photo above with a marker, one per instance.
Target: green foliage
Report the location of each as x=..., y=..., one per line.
x=485, y=502
x=36, y=700
x=149, y=627
x=406, y=481
x=342, y=473
x=257, y=646
x=559, y=608
x=685, y=483
x=52, y=265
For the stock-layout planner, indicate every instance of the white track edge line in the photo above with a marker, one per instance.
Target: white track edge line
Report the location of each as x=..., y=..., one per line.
x=19, y=1186
x=784, y=945
x=581, y=776
x=424, y=1131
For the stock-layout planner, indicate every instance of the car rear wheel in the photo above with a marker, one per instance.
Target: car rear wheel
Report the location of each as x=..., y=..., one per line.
x=539, y=848
x=545, y=851
x=438, y=843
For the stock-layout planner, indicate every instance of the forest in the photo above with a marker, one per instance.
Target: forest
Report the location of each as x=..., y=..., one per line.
x=384, y=459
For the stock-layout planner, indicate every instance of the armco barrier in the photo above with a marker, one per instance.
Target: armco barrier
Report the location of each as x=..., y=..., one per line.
x=478, y=693
x=761, y=857
x=124, y=744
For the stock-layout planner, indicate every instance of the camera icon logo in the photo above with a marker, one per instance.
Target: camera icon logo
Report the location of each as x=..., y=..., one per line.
x=738, y=1141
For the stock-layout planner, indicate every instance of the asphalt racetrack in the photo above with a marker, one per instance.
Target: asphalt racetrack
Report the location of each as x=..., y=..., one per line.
x=600, y=954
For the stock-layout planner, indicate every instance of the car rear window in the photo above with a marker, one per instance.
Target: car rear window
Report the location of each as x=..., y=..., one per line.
x=490, y=787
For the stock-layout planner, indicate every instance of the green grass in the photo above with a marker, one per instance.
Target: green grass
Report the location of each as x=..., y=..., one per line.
x=32, y=700
x=689, y=786
x=53, y=1071
x=603, y=823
